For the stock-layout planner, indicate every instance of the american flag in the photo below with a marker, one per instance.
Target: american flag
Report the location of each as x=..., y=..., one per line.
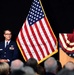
x=66, y=41
x=36, y=38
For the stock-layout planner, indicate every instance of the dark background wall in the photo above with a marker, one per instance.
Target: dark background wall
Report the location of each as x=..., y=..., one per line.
x=60, y=14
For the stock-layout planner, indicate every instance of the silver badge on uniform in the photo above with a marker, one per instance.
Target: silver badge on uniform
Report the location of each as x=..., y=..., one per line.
x=11, y=47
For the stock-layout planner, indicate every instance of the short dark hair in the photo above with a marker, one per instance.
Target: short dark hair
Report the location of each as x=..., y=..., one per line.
x=32, y=62
x=7, y=30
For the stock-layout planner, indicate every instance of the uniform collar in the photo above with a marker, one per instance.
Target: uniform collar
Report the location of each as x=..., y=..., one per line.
x=6, y=42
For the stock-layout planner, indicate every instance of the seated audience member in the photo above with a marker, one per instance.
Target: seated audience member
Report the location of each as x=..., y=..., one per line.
x=41, y=70
x=50, y=66
x=4, y=68
x=69, y=65
x=32, y=62
x=18, y=72
x=16, y=64
x=59, y=66
x=65, y=71
x=24, y=71
x=28, y=70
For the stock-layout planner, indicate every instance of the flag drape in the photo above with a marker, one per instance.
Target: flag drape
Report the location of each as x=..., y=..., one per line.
x=66, y=41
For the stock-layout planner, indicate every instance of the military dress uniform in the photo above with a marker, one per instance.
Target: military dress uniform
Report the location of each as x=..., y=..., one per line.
x=10, y=52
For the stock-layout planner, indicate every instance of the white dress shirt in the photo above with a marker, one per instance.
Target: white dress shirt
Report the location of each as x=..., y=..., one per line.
x=6, y=42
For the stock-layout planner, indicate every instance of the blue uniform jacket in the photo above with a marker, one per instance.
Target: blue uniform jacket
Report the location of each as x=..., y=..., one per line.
x=10, y=52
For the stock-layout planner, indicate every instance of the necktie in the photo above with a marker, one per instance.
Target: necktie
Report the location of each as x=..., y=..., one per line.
x=6, y=44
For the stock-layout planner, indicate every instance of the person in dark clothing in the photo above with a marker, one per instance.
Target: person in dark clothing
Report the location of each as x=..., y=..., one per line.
x=59, y=66
x=8, y=48
x=50, y=66
x=65, y=71
x=32, y=62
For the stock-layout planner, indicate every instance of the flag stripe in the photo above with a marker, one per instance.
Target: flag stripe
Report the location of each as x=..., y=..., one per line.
x=31, y=33
x=21, y=48
x=49, y=42
x=54, y=39
x=43, y=50
x=27, y=47
x=24, y=45
x=63, y=41
x=27, y=41
x=40, y=51
x=44, y=36
x=49, y=35
x=28, y=35
x=41, y=37
x=67, y=40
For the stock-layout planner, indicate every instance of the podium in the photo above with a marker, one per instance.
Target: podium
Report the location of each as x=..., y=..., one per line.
x=64, y=58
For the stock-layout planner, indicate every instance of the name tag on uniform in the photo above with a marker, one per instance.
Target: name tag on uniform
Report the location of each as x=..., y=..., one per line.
x=1, y=49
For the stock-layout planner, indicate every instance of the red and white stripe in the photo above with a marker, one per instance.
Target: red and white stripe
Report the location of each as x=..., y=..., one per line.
x=37, y=40
x=65, y=42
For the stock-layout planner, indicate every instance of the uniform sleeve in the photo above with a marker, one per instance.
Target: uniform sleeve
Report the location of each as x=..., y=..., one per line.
x=16, y=52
